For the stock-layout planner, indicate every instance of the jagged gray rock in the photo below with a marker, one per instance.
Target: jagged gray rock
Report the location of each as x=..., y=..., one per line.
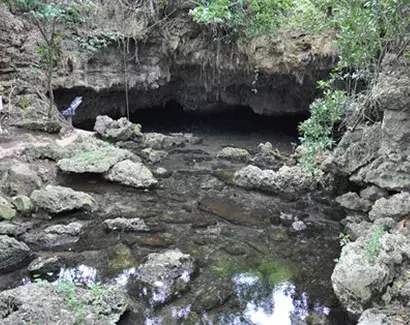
x=13, y=254
x=18, y=179
x=117, y=130
x=124, y=224
x=160, y=141
x=47, y=304
x=373, y=317
x=154, y=156
x=94, y=156
x=23, y=204
x=57, y=199
x=396, y=207
x=133, y=174
x=352, y=201
x=164, y=274
x=373, y=193
x=234, y=154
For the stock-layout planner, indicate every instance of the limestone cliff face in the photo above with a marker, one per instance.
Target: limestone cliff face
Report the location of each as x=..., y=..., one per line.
x=169, y=57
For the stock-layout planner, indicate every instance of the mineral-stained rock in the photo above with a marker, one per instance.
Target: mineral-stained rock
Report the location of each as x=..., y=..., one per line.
x=366, y=268
x=160, y=141
x=116, y=130
x=396, y=207
x=23, y=204
x=133, y=174
x=18, y=178
x=352, y=201
x=7, y=212
x=164, y=275
x=93, y=156
x=47, y=304
x=234, y=154
x=124, y=224
x=13, y=254
x=57, y=199
x=154, y=156
x=286, y=179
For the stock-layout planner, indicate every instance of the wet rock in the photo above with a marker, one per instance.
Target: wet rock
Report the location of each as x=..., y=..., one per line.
x=157, y=241
x=46, y=267
x=366, y=267
x=13, y=254
x=23, y=205
x=57, y=199
x=373, y=317
x=133, y=174
x=124, y=224
x=286, y=179
x=160, y=141
x=122, y=258
x=165, y=275
x=352, y=201
x=117, y=130
x=162, y=172
x=373, y=193
x=18, y=179
x=234, y=154
x=154, y=156
x=47, y=304
x=53, y=236
x=91, y=155
x=299, y=226
x=211, y=296
x=7, y=212
x=11, y=229
x=396, y=207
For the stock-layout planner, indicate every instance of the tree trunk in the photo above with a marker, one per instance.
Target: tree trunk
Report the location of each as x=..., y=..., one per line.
x=50, y=81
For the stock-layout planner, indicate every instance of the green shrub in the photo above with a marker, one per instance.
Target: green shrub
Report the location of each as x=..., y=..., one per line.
x=373, y=248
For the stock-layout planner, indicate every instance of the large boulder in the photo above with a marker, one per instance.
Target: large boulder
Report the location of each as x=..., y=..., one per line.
x=234, y=154
x=23, y=205
x=286, y=179
x=48, y=303
x=367, y=266
x=352, y=201
x=396, y=207
x=18, y=178
x=133, y=174
x=163, y=275
x=13, y=254
x=91, y=155
x=57, y=199
x=117, y=130
x=160, y=141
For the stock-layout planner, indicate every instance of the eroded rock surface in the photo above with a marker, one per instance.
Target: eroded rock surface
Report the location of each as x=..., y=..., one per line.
x=234, y=154
x=396, y=207
x=57, y=199
x=124, y=224
x=18, y=179
x=117, y=130
x=13, y=254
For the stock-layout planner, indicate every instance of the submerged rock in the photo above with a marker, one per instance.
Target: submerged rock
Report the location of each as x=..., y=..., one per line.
x=234, y=154
x=117, y=130
x=18, y=179
x=48, y=304
x=164, y=275
x=133, y=174
x=352, y=201
x=286, y=179
x=94, y=156
x=13, y=254
x=396, y=207
x=160, y=141
x=124, y=224
x=57, y=199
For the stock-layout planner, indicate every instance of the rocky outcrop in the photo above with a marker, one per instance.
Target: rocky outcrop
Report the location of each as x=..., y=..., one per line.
x=366, y=268
x=117, y=130
x=234, y=154
x=18, y=178
x=47, y=304
x=286, y=179
x=163, y=275
x=91, y=155
x=133, y=174
x=13, y=254
x=57, y=199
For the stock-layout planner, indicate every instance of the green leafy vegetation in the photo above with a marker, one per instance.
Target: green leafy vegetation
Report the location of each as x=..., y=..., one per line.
x=373, y=248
